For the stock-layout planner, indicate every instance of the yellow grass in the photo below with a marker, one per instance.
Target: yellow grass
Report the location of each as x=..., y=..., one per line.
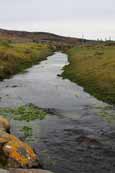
x=16, y=57
x=93, y=67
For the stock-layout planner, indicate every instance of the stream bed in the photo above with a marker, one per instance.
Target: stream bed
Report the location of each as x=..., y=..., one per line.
x=78, y=134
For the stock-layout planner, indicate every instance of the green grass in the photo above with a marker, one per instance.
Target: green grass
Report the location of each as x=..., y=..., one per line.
x=93, y=67
x=24, y=113
x=15, y=58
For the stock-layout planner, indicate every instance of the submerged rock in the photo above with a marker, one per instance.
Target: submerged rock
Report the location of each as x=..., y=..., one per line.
x=88, y=140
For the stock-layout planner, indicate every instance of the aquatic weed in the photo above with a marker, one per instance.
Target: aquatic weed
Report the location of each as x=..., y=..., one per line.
x=24, y=113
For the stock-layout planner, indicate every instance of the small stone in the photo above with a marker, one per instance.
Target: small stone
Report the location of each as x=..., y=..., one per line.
x=14, y=86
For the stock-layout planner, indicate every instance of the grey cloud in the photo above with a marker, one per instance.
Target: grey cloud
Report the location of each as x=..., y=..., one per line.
x=48, y=14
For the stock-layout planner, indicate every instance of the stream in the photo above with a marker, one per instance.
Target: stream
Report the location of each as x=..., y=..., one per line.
x=78, y=134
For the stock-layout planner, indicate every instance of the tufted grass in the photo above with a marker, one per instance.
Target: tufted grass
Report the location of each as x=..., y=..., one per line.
x=15, y=58
x=93, y=67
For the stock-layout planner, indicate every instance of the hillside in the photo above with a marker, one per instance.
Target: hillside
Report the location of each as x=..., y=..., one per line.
x=23, y=36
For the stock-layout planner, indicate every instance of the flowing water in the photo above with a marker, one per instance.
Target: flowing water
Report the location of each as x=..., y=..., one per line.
x=78, y=135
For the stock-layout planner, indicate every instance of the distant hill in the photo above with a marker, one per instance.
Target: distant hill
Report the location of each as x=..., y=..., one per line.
x=23, y=36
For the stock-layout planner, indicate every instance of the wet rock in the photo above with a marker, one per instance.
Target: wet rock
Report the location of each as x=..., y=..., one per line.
x=7, y=95
x=88, y=140
x=51, y=111
x=59, y=75
x=28, y=171
x=14, y=86
x=4, y=124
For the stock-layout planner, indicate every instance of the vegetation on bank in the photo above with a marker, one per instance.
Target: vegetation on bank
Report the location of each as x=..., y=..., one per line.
x=18, y=56
x=93, y=67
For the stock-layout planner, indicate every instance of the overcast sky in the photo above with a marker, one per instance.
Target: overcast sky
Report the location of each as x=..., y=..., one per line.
x=91, y=18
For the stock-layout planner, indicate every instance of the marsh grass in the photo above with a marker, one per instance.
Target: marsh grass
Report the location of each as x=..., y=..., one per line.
x=15, y=58
x=93, y=67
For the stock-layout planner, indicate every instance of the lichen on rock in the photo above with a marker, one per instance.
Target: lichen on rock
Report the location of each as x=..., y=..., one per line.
x=18, y=153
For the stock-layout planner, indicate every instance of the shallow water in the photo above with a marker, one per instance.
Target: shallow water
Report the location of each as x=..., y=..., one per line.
x=78, y=135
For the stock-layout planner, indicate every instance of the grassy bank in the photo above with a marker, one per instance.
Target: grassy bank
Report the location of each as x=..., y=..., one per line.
x=93, y=67
x=17, y=57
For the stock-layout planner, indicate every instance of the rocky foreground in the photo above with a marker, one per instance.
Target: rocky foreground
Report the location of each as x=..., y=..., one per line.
x=16, y=154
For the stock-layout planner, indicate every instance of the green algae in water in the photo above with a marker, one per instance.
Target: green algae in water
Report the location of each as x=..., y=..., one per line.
x=108, y=117
x=107, y=114
x=6, y=112
x=24, y=113
x=27, y=131
x=29, y=113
